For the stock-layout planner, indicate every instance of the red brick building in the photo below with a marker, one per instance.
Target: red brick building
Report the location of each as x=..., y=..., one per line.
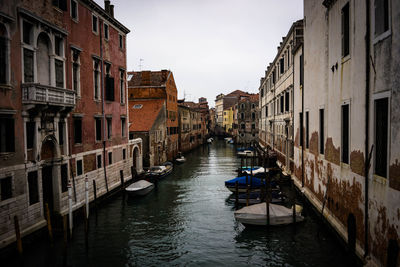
x=158, y=85
x=63, y=112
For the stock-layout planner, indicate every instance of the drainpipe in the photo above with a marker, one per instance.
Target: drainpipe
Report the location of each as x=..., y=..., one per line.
x=367, y=88
x=102, y=106
x=302, y=121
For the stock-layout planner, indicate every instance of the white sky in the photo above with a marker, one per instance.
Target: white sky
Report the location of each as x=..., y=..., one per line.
x=211, y=46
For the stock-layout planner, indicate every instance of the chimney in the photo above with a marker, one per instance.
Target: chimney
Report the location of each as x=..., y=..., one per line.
x=107, y=6
x=111, y=10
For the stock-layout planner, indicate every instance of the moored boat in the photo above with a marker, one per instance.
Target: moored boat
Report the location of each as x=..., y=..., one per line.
x=180, y=159
x=139, y=188
x=245, y=153
x=257, y=214
x=160, y=171
x=254, y=183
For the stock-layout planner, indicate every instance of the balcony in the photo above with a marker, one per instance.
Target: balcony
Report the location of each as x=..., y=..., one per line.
x=38, y=94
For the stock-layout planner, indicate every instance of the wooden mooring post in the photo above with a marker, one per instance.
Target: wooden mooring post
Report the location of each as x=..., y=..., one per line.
x=95, y=195
x=236, y=193
x=294, y=202
x=267, y=190
x=18, y=235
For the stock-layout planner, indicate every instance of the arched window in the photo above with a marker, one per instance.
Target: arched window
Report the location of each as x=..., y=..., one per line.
x=4, y=63
x=43, y=59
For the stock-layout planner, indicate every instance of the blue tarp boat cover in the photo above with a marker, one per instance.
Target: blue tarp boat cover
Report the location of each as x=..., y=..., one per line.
x=255, y=182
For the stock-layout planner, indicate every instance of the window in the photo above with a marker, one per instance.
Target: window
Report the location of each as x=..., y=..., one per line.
x=28, y=66
x=381, y=136
x=253, y=126
x=345, y=133
x=307, y=129
x=287, y=101
x=121, y=44
x=98, y=128
x=61, y=4
x=30, y=134
x=27, y=32
x=282, y=103
x=7, y=135
x=346, y=30
x=96, y=79
x=59, y=69
x=243, y=126
x=321, y=131
x=79, y=167
x=74, y=10
x=110, y=158
x=381, y=16
x=98, y=161
x=242, y=116
x=301, y=128
x=106, y=31
x=282, y=65
x=301, y=70
x=122, y=85
x=33, y=187
x=4, y=65
x=61, y=132
x=124, y=153
x=64, y=178
x=94, y=23
x=253, y=116
x=109, y=83
x=266, y=111
x=76, y=72
x=109, y=128
x=262, y=92
x=123, y=127
x=78, y=130
x=6, y=188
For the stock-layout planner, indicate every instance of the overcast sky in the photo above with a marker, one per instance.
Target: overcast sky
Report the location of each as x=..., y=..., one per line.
x=211, y=46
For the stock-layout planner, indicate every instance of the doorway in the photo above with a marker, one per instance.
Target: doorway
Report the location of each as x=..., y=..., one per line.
x=47, y=185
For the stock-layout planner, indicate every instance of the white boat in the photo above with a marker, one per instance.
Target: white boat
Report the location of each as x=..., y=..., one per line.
x=256, y=171
x=180, y=159
x=139, y=188
x=210, y=140
x=160, y=171
x=257, y=214
x=245, y=153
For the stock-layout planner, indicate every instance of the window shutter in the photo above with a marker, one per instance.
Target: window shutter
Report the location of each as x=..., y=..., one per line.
x=109, y=88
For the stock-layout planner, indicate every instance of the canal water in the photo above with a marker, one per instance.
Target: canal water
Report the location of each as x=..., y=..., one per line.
x=187, y=221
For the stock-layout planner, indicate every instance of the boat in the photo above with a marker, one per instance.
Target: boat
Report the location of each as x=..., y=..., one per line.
x=139, y=188
x=210, y=140
x=160, y=171
x=228, y=140
x=254, y=170
x=180, y=159
x=245, y=153
x=231, y=141
x=257, y=214
x=254, y=182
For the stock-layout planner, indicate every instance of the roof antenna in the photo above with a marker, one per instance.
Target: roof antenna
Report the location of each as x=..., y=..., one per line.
x=140, y=64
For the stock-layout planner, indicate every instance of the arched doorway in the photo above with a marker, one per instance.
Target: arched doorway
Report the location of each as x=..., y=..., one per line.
x=48, y=152
x=43, y=59
x=136, y=159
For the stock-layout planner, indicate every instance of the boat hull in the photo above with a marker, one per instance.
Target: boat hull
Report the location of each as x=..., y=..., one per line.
x=140, y=188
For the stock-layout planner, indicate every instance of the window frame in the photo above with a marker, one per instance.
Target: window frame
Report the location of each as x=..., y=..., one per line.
x=7, y=54
x=30, y=199
x=345, y=53
x=378, y=96
x=96, y=78
x=342, y=159
x=97, y=24
x=106, y=32
x=10, y=198
x=76, y=19
x=388, y=32
x=76, y=166
x=75, y=52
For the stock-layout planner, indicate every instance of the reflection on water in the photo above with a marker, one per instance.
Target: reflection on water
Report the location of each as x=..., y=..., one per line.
x=186, y=220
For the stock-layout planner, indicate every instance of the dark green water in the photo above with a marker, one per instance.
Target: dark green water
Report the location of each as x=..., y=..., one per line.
x=186, y=221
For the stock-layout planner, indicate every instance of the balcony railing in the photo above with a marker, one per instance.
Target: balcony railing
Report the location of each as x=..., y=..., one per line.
x=33, y=93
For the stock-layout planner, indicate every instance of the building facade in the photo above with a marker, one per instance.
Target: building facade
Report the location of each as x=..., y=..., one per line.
x=276, y=99
x=63, y=114
x=247, y=120
x=347, y=155
x=159, y=85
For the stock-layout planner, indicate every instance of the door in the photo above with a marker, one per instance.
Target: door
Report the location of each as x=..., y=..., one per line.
x=47, y=184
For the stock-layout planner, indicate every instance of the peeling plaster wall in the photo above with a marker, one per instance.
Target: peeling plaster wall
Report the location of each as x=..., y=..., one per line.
x=329, y=87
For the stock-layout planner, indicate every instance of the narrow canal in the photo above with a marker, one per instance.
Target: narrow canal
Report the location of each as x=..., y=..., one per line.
x=188, y=221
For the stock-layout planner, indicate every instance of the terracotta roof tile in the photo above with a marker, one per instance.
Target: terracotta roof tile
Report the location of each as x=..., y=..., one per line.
x=142, y=118
x=148, y=78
